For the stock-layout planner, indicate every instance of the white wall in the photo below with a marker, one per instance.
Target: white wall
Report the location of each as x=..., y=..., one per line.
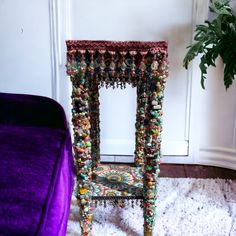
x=213, y=120
x=205, y=119
x=117, y=115
x=25, y=65
x=144, y=20
x=32, y=30
x=213, y=115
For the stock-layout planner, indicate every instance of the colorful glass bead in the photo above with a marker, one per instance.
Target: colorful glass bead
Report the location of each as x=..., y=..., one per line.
x=155, y=65
x=83, y=191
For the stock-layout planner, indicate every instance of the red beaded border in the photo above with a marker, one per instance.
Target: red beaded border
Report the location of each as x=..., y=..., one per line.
x=116, y=45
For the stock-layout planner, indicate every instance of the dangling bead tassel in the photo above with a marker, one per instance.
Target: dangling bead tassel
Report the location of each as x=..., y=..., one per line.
x=141, y=203
x=123, y=67
x=133, y=66
x=107, y=80
x=102, y=63
x=112, y=64
x=132, y=203
x=101, y=81
x=83, y=65
x=105, y=203
x=115, y=202
x=91, y=66
x=161, y=69
x=154, y=65
x=142, y=65
x=96, y=203
x=112, y=69
x=123, y=203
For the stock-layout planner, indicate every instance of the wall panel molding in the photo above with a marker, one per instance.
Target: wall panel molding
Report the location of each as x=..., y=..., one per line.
x=68, y=19
x=127, y=146
x=212, y=156
x=218, y=156
x=54, y=46
x=200, y=14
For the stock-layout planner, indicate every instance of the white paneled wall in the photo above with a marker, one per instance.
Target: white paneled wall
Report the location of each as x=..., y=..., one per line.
x=199, y=126
x=118, y=115
x=25, y=63
x=143, y=20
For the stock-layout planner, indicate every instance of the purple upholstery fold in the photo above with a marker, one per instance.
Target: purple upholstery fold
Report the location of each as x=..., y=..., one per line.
x=36, y=167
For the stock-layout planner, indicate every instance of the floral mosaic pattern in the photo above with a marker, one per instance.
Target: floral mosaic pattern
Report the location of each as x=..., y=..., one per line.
x=117, y=180
x=91, y=65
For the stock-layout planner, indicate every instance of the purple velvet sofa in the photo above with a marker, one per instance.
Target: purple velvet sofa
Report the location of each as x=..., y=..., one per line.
x=36, y=166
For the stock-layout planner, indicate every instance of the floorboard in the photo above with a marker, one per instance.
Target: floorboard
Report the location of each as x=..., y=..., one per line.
x=195, y=171
x=192, y=171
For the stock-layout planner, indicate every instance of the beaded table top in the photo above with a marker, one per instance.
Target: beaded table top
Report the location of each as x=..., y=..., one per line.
x=113, y=62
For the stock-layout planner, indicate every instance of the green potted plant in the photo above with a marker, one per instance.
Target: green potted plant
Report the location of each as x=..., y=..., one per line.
x=215, y=38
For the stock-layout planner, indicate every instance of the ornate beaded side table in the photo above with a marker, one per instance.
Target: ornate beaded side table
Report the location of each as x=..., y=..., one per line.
x=91, y=65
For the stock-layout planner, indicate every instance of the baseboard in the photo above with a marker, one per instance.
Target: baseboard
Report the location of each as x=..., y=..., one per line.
x=164, y=159
x=124, y=147
x=218, y=156
x=118, y=158
x=212, y=156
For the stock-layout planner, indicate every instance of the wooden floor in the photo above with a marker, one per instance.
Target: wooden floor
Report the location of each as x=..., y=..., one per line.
x=195, y=171
x=192, y=171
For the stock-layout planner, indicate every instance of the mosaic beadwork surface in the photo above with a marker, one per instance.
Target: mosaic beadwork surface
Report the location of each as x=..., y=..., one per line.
x=95, y=64
x=117, y=180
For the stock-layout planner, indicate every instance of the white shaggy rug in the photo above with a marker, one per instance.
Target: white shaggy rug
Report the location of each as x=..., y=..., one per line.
x=186, y=207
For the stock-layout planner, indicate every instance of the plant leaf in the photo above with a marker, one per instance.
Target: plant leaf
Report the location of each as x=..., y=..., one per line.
x=194, y=50
x=221, y=7
x=213, y=39
x=203, y=69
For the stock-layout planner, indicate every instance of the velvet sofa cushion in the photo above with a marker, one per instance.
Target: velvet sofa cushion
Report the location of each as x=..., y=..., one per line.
x=36, y=166
x=31, y=110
